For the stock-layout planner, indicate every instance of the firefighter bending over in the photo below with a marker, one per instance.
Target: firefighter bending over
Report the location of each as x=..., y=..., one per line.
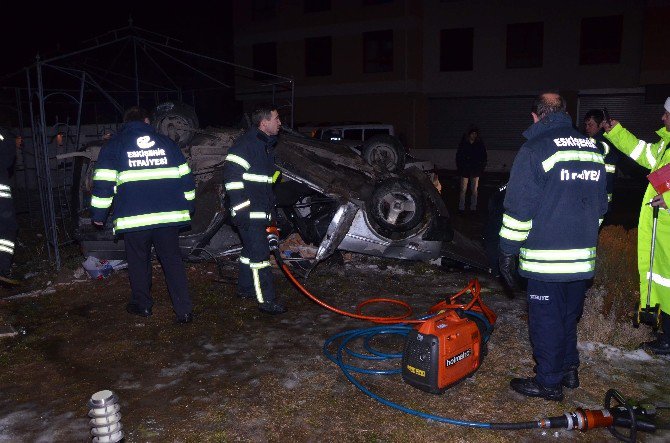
x=249, y=175
x=555, y=201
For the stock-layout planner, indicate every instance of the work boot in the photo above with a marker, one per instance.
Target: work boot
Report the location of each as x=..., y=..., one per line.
x=530, y=388
x=245, y=295
x=133, y=308
x=272, y=308
x=660, y=346
x=186, y=318
x=570, y=378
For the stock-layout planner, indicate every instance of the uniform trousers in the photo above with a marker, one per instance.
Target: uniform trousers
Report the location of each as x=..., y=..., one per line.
x=255, y=275
x=8, y=228
x=165, y=241
x=554, y=308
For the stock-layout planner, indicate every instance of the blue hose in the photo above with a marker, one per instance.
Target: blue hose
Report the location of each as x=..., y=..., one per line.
x=401, y=330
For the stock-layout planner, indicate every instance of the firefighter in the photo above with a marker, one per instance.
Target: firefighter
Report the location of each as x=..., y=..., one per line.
x=148, y=179
x=249, y=175
x=556, y=198
x=652, y=156
x=8, y=224
x=592, y=121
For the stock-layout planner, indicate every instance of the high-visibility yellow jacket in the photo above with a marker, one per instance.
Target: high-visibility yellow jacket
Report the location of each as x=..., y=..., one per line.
x=651, y=156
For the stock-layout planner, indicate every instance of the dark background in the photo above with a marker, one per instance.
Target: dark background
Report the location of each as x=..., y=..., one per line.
x=53, y=29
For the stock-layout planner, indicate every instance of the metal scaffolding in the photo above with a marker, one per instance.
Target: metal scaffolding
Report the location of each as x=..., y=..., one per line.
x=123, y=67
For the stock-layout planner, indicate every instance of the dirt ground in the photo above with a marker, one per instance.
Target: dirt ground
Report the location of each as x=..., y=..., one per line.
x=235, y=374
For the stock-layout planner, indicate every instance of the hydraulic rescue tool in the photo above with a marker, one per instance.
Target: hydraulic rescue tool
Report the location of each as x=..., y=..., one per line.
x=448, y=345
x=649, y=315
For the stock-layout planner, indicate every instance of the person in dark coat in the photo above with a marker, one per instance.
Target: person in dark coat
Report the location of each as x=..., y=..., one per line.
x=150, y=183
x=8, y=225
x=470, y=162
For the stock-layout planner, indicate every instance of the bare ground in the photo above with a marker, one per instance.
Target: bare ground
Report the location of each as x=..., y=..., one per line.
x=238, y=375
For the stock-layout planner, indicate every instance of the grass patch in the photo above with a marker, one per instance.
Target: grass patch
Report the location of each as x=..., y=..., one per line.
x=611, y=300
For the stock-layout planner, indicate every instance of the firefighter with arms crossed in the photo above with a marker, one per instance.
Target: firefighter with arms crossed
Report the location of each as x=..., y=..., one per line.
x=555, y=201
x=249, y=174
x=652, y=156
x=148, y=179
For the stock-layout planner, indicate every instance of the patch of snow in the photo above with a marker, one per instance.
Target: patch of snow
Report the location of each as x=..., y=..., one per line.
x=614, y=353
x=165, y=385
x=36, y=293
x=180, y=369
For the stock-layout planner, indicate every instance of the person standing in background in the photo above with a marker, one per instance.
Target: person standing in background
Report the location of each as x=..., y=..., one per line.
x=592, y=121
x=470, y=162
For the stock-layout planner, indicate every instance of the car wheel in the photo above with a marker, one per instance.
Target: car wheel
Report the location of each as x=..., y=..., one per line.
x=177, y=121
x=385, y=152
x=397, y=206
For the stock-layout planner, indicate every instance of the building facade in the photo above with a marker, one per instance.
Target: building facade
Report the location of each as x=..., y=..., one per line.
x=434, y=67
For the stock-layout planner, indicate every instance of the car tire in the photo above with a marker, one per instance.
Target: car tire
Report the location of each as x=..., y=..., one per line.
x=177, y=121
x=396, y=206
x=385, y=152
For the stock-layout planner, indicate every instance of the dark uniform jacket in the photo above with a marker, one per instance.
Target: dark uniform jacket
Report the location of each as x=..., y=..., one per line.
x=611, y=156
x=146, y=176
x=7, y=154
x=471, y=158
x=249, y=174
x=555, y=201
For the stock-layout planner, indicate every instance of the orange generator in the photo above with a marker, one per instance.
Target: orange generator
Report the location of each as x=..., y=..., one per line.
x=450, y=345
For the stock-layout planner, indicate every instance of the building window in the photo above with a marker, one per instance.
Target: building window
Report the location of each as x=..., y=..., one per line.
x=264, y=59
x=600, y=40
x=263, y=9
x=318, y=56
x=378, y=51
x=456, y=49
x=316, y=6
x=524, y=45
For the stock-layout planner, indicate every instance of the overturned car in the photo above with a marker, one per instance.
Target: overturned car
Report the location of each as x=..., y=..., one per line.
x=328, y=195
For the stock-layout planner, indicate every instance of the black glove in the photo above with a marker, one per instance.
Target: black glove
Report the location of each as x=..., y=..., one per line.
x=98, y=225
x=508, y=269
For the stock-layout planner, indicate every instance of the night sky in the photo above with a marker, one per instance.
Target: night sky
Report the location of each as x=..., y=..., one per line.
x=52, y=28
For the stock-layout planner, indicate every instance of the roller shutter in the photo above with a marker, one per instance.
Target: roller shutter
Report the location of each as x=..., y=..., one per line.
x=501, y=120
x=638, y=117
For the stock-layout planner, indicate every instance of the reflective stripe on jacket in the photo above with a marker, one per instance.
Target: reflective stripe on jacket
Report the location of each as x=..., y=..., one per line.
x=652, y=156
x=249, y=174
x=146, y=177
x=555, y=200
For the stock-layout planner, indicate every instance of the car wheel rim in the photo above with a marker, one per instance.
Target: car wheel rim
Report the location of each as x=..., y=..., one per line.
x=384, y=156
x=176, y=128
x=397, y=208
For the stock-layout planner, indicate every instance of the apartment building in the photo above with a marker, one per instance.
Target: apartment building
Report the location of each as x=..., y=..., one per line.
x=433, y=67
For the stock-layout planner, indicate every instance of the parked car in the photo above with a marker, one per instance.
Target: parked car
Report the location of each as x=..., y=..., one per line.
x=376, y=143
x=328, y=195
